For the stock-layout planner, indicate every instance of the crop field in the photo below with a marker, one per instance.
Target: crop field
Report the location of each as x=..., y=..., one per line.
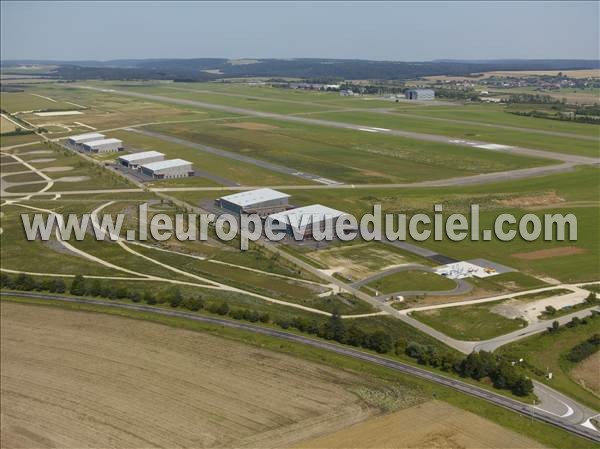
x=586, y=373
x=6, y=126
x=476, y=322
x=111, y=370
x=432, y=424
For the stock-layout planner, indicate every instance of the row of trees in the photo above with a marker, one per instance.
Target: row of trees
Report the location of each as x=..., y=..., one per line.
x=335, y=329
x=584, y=349
x=477, y=365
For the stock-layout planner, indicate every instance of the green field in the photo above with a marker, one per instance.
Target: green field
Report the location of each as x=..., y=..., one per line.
x=473, y=323
x=412, y=280
x=346, y=155
x=23, y=101
x=545, y=353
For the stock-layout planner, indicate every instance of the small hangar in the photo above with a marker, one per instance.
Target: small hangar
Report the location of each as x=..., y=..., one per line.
x=137, y=159
x=169, y=169
x=103, y=146
x=260, y=201
x=419, y=94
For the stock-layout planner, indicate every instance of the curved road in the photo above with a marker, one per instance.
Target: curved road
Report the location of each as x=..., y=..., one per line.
x=461, y=287
x=562, y=422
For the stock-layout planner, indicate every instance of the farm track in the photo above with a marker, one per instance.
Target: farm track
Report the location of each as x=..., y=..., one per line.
x=511, y=404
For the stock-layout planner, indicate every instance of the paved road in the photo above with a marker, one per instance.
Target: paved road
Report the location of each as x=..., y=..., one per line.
x=462, y=287
x=340, y=108
x=565, y=422
x=313, y=121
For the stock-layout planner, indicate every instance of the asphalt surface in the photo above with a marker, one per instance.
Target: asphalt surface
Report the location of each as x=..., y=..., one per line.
x=313, y=121
x=461, y=287
x=389, y=111
x=524, y=409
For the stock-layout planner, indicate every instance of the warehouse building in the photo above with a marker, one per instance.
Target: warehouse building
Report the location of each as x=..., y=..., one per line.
x=260, y=201
x=309, y=218
x=103, y=146
x=169, y=169
x=136, y=159
x=81, y=138
x=419, y=94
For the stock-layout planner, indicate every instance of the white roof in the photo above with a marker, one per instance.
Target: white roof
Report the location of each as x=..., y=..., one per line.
x=138, y=156
x=293, y=217
x=87, y=136
x=254, y=196
x=94, y=143
x=170, y=163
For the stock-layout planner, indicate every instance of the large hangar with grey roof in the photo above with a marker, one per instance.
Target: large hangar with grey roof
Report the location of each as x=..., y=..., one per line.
x=137, y=159
x=169, y=169
x=260, y=201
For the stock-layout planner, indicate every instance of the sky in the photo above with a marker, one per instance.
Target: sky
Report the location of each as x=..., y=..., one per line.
x=403, y=31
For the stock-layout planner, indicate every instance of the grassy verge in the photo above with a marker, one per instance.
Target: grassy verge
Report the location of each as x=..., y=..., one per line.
x=473, y=323
x=544, y=353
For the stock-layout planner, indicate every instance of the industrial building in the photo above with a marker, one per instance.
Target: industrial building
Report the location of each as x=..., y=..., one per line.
x=136, y=159
x=103, y=146
x=260, y=201
x=419, y=94
x=169, y=169
x=82, y=138
x=307, y=217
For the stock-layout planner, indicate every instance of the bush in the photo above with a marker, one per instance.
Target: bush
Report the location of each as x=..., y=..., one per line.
x=584, y=349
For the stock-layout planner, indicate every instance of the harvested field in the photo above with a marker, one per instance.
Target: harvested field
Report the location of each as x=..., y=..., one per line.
x=252, y=126
x=430, y=425
x=74, y=379
x=6, y=126
x=586, y=373
x=548, y=253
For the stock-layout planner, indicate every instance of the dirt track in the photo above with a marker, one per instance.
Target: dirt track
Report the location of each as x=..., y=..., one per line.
x=73, y=379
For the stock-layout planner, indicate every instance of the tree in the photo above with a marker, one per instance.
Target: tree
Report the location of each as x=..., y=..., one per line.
x=334, y=329
x=78, y=286
x=523, y=386
x=222, y=309
x=550, y=310
x=6, y=281
x=149, y=298
x=380, y=342
x=96, y=288
x=176, y=297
